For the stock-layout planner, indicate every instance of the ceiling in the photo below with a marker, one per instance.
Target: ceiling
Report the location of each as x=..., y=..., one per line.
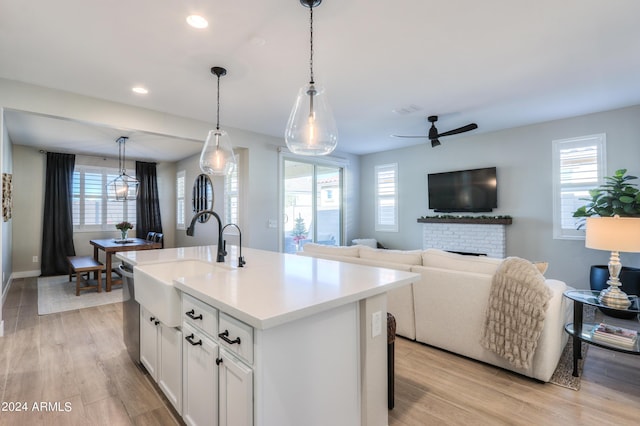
x=386, y=65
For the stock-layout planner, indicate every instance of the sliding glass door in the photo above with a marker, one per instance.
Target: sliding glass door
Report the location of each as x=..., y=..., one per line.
x=312, y=204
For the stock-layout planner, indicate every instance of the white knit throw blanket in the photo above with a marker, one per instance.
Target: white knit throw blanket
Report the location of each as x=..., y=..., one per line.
x=515, y=316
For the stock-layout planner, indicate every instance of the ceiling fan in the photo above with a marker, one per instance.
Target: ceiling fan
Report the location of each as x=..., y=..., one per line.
x=434, y=135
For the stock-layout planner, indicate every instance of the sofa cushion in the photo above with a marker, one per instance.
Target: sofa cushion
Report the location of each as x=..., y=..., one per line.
x=459, y=262
x=405, y=257
x=351, y=251
x=369, y=242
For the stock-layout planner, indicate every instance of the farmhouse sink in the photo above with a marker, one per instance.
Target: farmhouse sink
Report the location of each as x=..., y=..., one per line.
x=155, y=291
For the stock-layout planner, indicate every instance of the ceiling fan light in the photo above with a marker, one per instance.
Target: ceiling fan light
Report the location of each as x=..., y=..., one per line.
x=311, y=129
x=434, y=143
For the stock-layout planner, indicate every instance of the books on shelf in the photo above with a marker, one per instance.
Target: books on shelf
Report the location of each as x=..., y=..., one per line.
x=607, y=333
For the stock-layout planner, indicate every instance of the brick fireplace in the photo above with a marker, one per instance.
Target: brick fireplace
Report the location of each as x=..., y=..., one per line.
x=468, y=237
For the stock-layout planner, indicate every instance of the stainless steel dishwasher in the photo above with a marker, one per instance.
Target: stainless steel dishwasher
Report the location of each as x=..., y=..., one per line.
x=130, y=313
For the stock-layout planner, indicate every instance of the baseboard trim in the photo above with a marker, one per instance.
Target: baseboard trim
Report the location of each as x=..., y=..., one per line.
x=26, y=274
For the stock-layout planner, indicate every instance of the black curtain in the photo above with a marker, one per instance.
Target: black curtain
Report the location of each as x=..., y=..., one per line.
x=147, y=204
x=57, y=225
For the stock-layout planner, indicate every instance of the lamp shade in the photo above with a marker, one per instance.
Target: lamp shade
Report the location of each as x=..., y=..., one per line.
x=620, y=234
x=217, y=157
x=311, y=129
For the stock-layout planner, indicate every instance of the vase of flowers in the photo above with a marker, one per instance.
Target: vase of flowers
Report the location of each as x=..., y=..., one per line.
x=124, y=228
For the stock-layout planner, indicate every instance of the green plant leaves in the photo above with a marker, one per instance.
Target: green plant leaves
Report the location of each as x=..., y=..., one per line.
x=615, y=197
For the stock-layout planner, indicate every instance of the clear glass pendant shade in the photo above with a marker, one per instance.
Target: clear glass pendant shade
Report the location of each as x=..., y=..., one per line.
x=217, y=156
x=311, y=129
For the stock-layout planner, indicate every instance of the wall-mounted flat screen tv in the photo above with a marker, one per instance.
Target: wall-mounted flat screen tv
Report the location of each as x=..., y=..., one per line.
x=463, y=191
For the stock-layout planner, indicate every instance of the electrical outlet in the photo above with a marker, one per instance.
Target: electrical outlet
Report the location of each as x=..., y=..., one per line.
x=376, y=324
x=35, y=259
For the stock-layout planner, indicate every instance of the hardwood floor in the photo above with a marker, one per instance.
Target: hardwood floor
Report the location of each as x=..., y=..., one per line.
x=78, y=358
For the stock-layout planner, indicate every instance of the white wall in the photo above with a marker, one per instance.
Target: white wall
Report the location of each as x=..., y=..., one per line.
x=523, y=158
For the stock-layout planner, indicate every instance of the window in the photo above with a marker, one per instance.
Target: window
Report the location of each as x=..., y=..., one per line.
x=312, y=203
x=180, y=206
x=232, y=194
x=386, y=181
x=578, y=166
x=91, y=211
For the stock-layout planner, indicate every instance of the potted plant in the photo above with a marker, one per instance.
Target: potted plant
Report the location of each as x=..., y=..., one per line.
x=617, y=196
x=299, y=231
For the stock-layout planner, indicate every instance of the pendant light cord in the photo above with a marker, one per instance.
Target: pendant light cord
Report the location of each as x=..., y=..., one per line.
x=311, y=44
x=218, y=113
x=121, y=154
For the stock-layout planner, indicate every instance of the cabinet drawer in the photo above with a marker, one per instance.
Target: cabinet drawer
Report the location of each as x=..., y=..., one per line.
x=199, y=314
x=230, y=330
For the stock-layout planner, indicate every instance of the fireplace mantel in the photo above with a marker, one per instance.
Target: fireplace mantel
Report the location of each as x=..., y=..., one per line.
x=467, y=220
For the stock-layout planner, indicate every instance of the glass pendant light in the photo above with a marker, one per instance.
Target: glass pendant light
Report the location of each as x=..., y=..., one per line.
x=124, y=187
x=311, y=129
x=217, y=157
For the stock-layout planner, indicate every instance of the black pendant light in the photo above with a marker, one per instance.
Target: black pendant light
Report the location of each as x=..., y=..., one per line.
x=124, y=187
x=311, y=129
x=217, y=156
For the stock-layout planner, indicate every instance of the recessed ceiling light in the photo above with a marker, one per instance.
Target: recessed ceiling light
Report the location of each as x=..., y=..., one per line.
x=197, y=21
x=140, y=90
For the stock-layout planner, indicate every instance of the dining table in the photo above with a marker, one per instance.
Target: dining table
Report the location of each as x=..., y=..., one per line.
x=112, y=245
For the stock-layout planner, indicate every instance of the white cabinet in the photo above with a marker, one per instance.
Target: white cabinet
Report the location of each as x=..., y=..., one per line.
x=149, y=342
x=236, y=391
x=161, y=355
x=170, y=364
x=200, y=375
x=218, y=386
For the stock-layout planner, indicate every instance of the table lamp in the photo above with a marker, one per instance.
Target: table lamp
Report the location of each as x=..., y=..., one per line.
x=615, y=234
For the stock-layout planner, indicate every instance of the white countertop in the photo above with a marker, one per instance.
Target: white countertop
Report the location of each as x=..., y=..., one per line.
x=274, y=288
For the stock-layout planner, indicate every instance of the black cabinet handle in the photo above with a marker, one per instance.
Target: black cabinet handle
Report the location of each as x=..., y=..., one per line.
x=218, y=361
x=192, y=314
x=189, y=339
x=152, y=319
x=156, y=322
x=225, y=336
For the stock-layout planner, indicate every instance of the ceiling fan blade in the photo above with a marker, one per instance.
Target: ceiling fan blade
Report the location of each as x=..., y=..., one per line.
x=462, y=129
x=403, y=136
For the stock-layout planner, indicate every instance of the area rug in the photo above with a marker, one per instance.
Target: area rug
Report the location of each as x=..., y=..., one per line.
x=58, y=294
x=563, y=376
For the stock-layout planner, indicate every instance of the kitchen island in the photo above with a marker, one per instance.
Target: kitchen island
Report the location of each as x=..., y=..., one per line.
x=305, y=337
